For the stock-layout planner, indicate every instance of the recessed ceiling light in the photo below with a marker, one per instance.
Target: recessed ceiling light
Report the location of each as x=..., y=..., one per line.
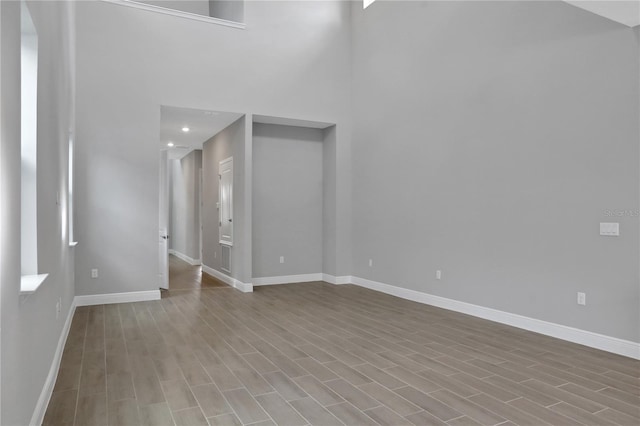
x=170, y=144
x=185, y=129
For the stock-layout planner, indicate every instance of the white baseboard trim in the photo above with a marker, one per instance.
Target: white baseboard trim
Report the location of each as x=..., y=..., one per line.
x=88, y=300
x=239, y=285
x=189, y=260
x=287, y=279
x=50, y=382
x=331, y=279
x=575, y=335
x=106, y=299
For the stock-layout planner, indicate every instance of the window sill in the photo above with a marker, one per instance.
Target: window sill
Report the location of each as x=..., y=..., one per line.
x=29, y=284
x=73, y=243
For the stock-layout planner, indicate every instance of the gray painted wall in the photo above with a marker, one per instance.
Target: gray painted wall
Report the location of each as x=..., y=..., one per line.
x=30, y=329
x=228, y=143
x=185, y=204
x=119, y=119
x=287, y=200
x=542, y=93
x=329, y=192
x=489, y=141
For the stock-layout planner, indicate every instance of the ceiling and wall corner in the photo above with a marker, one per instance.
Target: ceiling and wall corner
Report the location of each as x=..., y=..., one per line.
x=202, y=125
x=626, y=12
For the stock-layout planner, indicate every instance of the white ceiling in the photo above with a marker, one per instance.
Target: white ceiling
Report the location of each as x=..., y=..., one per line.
x=626, y=12
x=202, y=126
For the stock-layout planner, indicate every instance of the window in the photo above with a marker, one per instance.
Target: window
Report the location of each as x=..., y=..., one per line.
x=70, y=232
x=28, y=150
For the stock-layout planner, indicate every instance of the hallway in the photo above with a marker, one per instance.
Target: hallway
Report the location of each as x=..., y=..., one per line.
x=183, y=276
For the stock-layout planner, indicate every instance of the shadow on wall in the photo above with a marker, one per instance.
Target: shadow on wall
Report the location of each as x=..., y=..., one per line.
x=228, y=10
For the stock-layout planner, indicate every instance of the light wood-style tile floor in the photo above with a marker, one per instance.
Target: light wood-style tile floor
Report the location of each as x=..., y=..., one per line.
x=183, y=276
x=320, y=354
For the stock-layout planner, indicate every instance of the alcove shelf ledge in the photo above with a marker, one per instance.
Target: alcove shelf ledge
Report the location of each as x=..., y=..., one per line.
x=29, y=284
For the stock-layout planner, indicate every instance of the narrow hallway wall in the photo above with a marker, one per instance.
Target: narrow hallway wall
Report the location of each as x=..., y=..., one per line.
x=228, y=143
x=185, y=205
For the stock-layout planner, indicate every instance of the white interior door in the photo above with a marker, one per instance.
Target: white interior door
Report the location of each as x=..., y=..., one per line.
x=163, y=236
x=226, y=201
x=164, y=261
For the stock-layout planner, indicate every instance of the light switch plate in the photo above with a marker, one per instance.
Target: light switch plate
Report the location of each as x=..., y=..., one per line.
x=610, y=229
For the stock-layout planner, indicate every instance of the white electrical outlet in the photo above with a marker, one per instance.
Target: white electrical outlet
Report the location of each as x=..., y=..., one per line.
x=582, y=298
x=281, y=259
x=438, y=274
x=370, y=262
x=94, y=273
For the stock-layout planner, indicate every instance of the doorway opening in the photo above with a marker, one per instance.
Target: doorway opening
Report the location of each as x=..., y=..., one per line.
x=184, y=196
x=184, y=276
